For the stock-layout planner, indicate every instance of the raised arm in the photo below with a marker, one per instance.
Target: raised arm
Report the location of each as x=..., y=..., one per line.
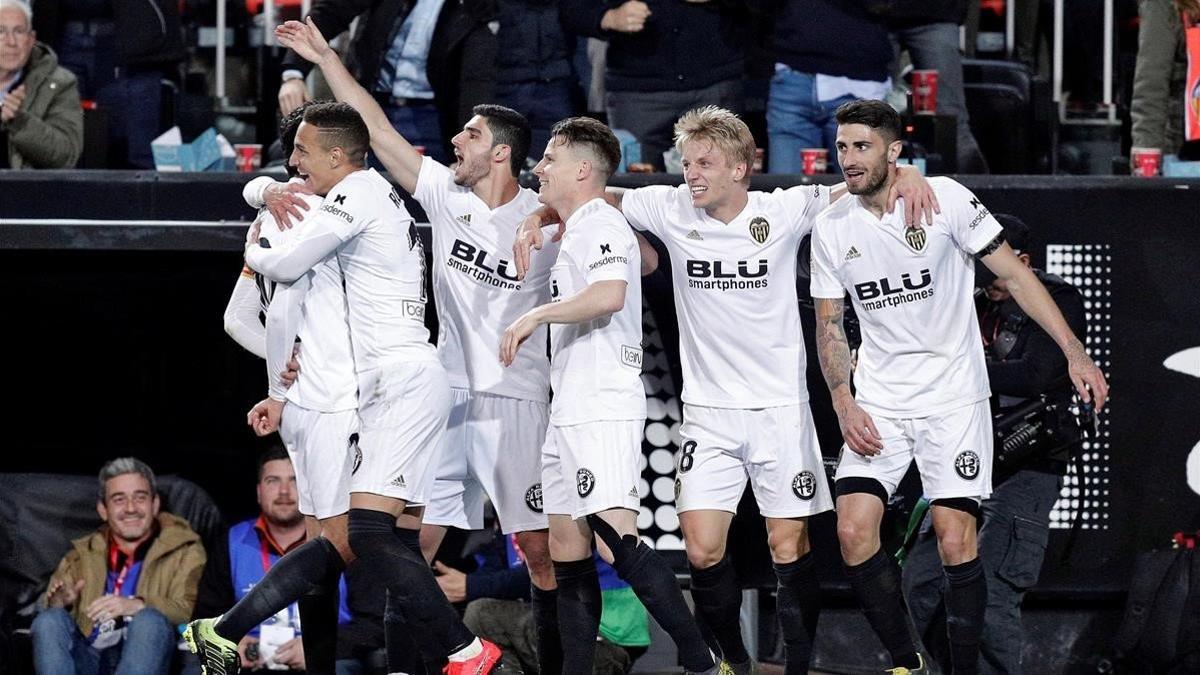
x=1033, y=298
x=600, y=298
x=858, y=429
x=396, y=154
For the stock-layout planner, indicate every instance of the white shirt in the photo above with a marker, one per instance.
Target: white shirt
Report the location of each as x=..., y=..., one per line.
x=313, y=309
x=383, y=265
x=596, y=366
x=476, y=288
x=921, y=353
x=735, y=292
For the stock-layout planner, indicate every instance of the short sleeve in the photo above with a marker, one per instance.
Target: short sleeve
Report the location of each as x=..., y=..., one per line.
x=646, y=208
x=609, y=253
x=434, y=182
x=348, y=208
x=824, y=283
x=971, y=225
x=803, y=203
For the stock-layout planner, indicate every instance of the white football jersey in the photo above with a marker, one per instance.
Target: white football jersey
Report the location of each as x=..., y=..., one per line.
x=383, y=264
x=912, y=290
x=476, y=287
x=326, y=382
x=735, y=291
x=596, y=366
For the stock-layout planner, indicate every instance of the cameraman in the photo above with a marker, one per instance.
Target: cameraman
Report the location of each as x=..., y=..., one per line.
x=1031, y=393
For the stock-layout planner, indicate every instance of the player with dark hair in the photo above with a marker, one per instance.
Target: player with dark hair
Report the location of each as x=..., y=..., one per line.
x=497, y=427
x=920, y=385
x=404, y=398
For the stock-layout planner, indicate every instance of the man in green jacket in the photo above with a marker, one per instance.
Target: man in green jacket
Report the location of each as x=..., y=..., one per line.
x=117, y=595
x=1160, y=74
x=41, y=122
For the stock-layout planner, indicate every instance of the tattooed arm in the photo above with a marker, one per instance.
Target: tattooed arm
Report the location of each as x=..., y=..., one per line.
x=858, y=429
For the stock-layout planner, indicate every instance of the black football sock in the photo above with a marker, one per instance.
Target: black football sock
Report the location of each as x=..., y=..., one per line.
x=718, y=600
x=966, y=602
x=407, y=578
x=876, y=584
x=404, y=654
x=300, y=571
x=578, y=613
x=319, y=619
x=798, y=607
x=545, y=619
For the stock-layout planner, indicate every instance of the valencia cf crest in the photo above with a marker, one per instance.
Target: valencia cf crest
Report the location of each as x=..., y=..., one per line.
x=966, y=465
x=760, y=229
x=915, y=237
x=533, y=498
x=357, y=453
x=804, y=485
x=585, y=481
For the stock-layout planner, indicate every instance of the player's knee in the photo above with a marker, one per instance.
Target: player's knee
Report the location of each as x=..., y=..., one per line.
x=855, y=536
x=704, y=554
x=787, y=545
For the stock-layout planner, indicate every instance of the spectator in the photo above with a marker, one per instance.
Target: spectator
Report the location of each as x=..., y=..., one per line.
x=497, y=609
x=1161, y=75
x=928, y=31
x=250, y=549
x=661, y=63
x=116, y=597
x=533, y=66
x=427, y=62
x=41, y=123
x=815, y=73
x=121, y=52
x=1023, y=363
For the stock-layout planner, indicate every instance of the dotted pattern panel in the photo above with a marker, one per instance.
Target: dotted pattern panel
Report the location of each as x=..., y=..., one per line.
x=1089, y=268
x=657, y=520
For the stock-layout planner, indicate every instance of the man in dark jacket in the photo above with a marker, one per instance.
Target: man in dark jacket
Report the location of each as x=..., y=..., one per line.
x=664, y=60
x=41, y=123
x=427, y=62
x=121, y=51
x=1023, y=363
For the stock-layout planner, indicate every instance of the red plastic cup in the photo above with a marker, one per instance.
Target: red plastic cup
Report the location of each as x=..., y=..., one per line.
x=814, y=160
x=248, y=156
x=1145, y=162
x=924, y=92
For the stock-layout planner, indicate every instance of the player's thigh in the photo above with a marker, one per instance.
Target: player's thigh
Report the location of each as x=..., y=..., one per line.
x=954, y=452
x=505, y=455
x=455, y=498
x=709, y=468
x=604, y=460
x=786, y=470
x=705, y=535
x=889, y=466
x=322, y=449
x=402, y=425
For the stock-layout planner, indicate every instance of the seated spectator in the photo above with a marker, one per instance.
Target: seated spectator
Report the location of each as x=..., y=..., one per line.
x=41, y=122
x=1160, y=77
x=244, y=556
x=497, y=609
x=122, y=52
x=118, y=594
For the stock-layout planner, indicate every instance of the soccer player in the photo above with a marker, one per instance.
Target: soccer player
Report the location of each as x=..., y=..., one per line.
x=499, y=416
x=746, y=412
x=404, y=399
x=921, y=385
x=591, y=459
x=315, y=425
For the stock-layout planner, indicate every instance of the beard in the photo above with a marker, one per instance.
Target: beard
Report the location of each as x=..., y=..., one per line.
x=471, y=173
x=873, y=182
